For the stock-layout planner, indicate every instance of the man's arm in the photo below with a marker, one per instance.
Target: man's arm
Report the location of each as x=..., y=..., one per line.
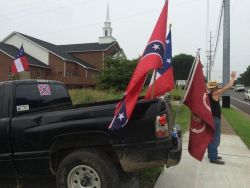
x=219, y=92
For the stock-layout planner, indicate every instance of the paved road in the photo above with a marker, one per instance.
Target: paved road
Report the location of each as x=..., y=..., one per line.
x=237, y=99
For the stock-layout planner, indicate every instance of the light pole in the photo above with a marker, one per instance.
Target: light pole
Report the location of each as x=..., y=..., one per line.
x=226, y=52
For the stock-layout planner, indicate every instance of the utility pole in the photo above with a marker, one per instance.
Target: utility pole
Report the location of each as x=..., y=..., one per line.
x=209, y=58
x=226, y=52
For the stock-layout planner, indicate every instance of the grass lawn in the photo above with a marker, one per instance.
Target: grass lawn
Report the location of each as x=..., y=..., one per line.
x=81, y=96
x=182, y=117
x=240, y=123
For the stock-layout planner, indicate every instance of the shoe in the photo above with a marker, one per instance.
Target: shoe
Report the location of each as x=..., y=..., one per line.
x=219, y=157
x=217, y=161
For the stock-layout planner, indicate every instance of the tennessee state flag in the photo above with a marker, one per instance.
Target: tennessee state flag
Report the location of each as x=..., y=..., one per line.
x=152, y=58
x=164, y=78
x=201, y=124
x=20, y=63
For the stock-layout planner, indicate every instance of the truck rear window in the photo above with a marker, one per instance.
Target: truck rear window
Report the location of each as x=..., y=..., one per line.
x=40, y=97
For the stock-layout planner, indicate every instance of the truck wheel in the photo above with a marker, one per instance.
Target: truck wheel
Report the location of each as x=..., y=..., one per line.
x=86, y=168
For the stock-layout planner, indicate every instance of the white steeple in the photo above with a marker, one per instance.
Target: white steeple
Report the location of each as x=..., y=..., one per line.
x=107, y=30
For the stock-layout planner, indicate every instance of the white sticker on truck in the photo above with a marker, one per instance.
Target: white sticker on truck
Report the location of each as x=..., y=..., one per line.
x=22, y=108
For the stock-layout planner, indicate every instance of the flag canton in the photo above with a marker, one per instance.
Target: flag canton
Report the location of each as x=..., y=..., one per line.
x=168, y=55
x=20, y=53
x=155, y=48
x=44, y=89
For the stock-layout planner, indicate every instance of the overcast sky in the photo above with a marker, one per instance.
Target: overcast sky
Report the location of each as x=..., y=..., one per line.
x=81, y=21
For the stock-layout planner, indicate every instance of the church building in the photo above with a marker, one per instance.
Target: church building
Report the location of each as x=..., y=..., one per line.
x=76, y=65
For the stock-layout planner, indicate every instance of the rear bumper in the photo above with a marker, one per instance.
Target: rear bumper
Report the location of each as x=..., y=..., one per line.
x=137, y=157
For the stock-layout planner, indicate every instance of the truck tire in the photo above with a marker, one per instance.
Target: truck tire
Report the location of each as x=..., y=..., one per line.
x=87, y=168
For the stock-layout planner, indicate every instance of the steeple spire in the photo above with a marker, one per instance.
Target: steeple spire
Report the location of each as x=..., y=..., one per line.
x=107, y=16
x=107, y=29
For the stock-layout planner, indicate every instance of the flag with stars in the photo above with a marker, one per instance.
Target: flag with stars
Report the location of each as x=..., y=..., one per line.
x=152, y=58
x=20, y=63
x=163, y=81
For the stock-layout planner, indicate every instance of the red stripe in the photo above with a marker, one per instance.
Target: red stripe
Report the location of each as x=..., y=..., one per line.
x=25, y=63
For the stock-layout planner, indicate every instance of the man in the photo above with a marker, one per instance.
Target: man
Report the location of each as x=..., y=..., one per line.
x=214, y=97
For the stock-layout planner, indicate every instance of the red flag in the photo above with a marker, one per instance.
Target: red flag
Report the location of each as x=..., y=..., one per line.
x=20, y=64
x=201, y=123
x=152, y=58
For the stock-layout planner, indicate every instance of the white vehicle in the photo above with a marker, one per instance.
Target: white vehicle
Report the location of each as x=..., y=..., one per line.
x=239, y=87
x=247, y=94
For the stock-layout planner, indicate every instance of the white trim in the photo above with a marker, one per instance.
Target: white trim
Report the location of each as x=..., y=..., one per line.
x=39, y=66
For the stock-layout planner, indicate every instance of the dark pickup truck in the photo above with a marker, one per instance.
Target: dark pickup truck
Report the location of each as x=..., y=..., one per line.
x=43, y=133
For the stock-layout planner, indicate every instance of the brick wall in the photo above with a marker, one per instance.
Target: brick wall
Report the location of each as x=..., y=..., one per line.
x=75, y=75
x=5, y=63
x=39, y=73
x=93, y=58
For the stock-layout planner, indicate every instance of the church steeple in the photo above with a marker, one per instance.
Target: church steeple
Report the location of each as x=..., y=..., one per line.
x=107, y=30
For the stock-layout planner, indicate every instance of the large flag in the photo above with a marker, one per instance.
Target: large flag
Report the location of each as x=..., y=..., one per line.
x=201, y=123
x=152, y=58
x=20, y=63
x=163, y=81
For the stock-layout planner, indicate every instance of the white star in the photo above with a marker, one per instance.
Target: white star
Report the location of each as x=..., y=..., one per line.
x=167, y=41
x=156, y=46
x=169, y=61
x=121, y=116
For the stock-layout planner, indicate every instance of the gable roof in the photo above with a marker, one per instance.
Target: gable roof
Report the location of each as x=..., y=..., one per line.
x=55, y=49
x=12, y=51
x=87, y=47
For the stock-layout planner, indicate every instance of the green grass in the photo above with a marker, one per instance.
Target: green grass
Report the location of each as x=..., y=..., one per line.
x=80, y=96
x=240, y=123
x=182, y=117
x=176, y=94
x=148, y=177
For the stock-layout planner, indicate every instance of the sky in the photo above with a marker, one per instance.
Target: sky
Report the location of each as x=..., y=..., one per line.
x=81, y=21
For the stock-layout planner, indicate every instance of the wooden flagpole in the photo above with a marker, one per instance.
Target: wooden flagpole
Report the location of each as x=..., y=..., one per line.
x=187, y=84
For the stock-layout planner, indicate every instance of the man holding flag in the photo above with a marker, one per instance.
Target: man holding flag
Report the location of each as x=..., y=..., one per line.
x=214, y=97
x=152, y=58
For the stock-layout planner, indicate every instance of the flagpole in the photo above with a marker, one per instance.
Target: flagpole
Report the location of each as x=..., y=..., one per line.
x=153, y=88
x=187, y=84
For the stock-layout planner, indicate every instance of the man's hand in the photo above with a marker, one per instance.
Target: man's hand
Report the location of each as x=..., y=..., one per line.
x=233, y=74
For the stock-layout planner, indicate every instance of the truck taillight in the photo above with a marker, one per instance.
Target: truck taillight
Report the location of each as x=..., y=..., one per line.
x=163, y=120
x=161, y=126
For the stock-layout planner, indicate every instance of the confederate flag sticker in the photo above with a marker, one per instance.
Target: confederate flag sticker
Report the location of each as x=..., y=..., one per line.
x=44, y=89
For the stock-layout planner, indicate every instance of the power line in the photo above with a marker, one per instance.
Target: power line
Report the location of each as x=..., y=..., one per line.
x=218, y=32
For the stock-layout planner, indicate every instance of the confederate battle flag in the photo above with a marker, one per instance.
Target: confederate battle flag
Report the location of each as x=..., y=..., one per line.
x=201, y=123
x=152, y=58
x=163, y=81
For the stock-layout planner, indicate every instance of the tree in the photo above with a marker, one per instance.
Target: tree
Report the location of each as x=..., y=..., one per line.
x=116, y=74
x=245, y=77
x=182, y=64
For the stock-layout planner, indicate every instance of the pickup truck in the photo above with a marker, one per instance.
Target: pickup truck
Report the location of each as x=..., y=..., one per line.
x=42, y=133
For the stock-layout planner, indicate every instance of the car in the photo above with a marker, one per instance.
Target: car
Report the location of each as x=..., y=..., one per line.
x=42, y=133
x=239, y=87
x=247, y=94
